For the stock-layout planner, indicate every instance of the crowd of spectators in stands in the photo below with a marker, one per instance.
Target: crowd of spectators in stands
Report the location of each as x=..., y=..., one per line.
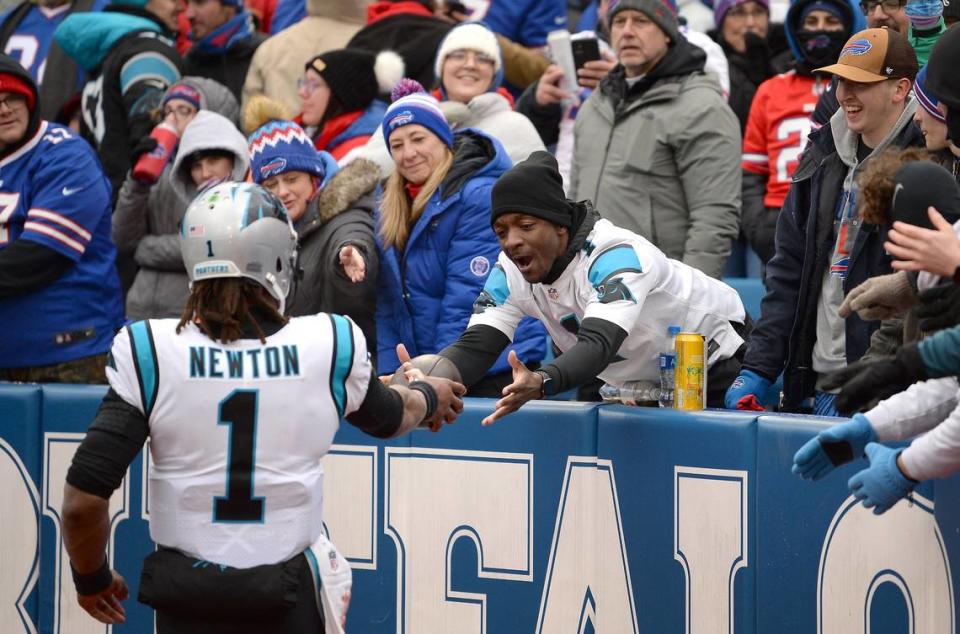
x=383, y=125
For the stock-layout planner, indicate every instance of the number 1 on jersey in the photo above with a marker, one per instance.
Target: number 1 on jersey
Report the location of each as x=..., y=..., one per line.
x=239, y=410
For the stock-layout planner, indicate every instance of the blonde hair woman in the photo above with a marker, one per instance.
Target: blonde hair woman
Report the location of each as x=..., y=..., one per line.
x=433, y=230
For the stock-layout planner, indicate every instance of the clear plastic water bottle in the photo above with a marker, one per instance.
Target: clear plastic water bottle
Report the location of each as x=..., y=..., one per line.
x=635, y=393
x=668, y=359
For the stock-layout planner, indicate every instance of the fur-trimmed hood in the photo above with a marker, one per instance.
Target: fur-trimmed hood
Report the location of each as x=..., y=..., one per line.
x=352, y=183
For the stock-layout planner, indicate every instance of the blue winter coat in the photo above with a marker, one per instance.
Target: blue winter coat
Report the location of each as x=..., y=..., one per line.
x=526, y=22
x=426, y=294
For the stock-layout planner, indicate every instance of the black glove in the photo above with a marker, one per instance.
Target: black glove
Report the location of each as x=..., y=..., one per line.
x=144, y=146
x=865, y=382
x=939, y=307
x=758, y=54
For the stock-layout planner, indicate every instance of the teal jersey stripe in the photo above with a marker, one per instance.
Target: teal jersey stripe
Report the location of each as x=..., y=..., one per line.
x=618, y=259
x=342, y=361
x=496, y=285
x=145, y=359
x=147, y=65
x=315, y=569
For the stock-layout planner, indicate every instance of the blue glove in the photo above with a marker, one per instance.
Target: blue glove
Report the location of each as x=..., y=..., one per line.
x=833, y=447
x=883, y=484
x=749, y=383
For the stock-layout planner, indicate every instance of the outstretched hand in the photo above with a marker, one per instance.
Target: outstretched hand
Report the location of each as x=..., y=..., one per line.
x=351, y=259
x=526, y=386
x=105, y=606
x=915, y=248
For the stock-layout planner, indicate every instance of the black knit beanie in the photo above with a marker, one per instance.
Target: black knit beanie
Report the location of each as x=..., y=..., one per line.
x=533, y=187
x=350, y=75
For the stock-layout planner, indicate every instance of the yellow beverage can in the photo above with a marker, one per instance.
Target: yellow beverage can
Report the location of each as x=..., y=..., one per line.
x=690, y=378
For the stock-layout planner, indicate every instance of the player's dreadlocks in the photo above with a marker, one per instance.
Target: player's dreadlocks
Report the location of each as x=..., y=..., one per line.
x=221, y=307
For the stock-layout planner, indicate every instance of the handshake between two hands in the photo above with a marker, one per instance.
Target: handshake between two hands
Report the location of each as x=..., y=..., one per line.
x=444, y=377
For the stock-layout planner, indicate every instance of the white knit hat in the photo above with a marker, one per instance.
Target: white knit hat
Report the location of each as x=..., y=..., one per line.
x=471, y=36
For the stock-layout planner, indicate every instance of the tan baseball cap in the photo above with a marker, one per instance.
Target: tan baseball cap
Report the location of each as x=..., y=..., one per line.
x=874, y=55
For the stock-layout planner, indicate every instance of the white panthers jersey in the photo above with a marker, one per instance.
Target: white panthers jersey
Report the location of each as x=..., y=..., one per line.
x=622, y=278
x=237, y=431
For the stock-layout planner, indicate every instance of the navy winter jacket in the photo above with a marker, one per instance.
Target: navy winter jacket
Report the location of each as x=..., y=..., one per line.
x=786, y=332
x=426, y=293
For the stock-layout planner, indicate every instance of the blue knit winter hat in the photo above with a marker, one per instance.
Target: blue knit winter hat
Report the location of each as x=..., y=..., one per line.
x=282, y=146
x=412, y=104
x=927, y=101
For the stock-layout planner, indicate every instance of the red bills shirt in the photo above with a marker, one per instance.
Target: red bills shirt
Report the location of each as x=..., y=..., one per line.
x=777, y=130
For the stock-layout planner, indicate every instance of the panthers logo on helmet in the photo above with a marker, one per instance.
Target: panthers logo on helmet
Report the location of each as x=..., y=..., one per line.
x=262, y=204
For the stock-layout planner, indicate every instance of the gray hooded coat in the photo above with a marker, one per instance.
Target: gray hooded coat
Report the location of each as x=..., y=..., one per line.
x=662, y=158
x=146, y=220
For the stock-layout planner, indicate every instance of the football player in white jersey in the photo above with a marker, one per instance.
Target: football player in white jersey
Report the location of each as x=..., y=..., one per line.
x=606, y=296
x=240, y=405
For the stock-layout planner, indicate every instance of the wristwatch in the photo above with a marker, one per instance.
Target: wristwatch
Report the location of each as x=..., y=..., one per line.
x=545, y=383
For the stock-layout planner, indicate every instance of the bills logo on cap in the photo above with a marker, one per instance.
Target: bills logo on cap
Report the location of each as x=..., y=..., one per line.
x=858, y=47
x=401, y=118
x=273, y=167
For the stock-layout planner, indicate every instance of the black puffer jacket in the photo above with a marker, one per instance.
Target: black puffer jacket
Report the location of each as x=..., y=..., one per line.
x=342, y=214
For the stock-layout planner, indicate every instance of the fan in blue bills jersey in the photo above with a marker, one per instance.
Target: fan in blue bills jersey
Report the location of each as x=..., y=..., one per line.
x=26, y=34
x=240, y=404
x=59, y=293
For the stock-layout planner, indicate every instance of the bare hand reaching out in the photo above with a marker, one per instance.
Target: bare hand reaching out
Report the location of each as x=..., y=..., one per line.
x=915, y=248
x=351, y=259
x=526, y=386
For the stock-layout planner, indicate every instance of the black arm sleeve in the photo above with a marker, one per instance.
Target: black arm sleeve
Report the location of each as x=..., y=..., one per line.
x=381, y=412
x=476, y=351
x=114, y=439
x=26, y=266
x=597, y=343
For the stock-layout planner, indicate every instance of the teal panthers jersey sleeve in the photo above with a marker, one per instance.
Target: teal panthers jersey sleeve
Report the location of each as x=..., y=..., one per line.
x=351, y=365
x=132, y=366
x=619, y=284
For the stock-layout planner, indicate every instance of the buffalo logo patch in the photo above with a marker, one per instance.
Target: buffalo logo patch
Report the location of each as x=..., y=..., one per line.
x=480, y=266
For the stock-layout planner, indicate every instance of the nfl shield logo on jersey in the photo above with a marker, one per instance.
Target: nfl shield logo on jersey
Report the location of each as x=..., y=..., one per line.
x=553, y=294
x=334, y=563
